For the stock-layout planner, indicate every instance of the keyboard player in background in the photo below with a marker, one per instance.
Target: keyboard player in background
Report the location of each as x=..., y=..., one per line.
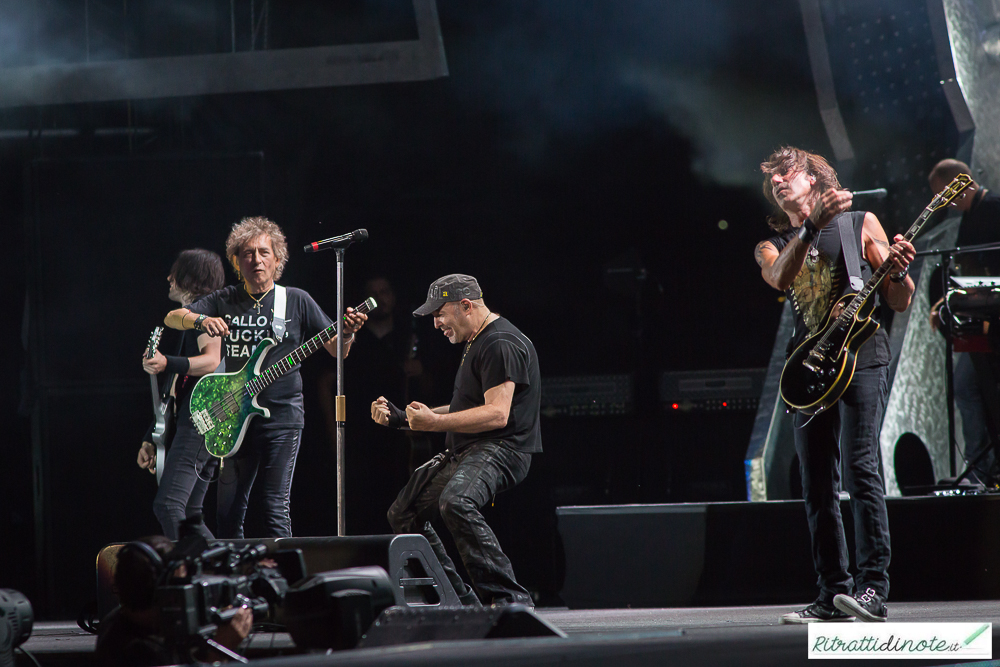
x=980, y=224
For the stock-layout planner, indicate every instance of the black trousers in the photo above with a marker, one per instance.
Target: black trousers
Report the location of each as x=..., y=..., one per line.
x=455, y=487
x=271, y=453
x=183, y=483
x=849, y=429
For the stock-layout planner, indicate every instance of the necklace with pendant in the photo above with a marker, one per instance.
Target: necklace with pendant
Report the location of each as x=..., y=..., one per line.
x=813, y=253
x=468, y=345
x=257, y=302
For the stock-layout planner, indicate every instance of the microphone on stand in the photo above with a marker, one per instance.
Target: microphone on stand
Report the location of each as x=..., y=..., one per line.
x=342, y=241
x=877, y=193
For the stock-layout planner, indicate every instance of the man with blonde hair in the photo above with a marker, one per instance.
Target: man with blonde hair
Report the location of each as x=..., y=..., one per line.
x=243, y=315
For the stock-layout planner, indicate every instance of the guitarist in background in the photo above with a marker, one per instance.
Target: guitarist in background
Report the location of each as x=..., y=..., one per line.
x=182, y=488
x=806, y=261
x=243, y=315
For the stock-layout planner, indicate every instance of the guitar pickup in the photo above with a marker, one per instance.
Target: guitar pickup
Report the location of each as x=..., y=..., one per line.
x=202, y=422
x=814, y=369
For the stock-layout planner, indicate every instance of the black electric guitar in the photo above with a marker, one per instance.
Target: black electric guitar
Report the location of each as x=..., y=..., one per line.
x=163, y=408
x=822, y=367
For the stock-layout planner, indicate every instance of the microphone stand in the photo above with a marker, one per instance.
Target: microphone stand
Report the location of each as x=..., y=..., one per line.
x=341, y=401
x=947, y=255
x=340, y=244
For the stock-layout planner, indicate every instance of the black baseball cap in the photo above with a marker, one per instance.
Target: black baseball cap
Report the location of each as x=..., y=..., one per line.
x=452, y=287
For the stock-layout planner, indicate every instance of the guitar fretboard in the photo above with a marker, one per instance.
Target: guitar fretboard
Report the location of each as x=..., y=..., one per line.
x=299, y=354
x=945, y=197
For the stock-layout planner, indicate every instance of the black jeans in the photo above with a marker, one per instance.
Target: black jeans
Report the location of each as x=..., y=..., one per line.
x=273, y=452
x=855, y=421
x=182, y=487
x=969, y=401
x=455, y=487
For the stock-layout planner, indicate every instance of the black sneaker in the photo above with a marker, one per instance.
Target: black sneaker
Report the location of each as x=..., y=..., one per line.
x=817, y=612
x=868, y=606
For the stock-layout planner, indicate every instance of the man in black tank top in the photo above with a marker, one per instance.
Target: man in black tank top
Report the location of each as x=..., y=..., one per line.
x=805, y=260
x=492, y=431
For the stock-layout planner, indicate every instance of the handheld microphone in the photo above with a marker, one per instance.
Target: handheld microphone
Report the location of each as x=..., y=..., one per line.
x=342, y=241
x=877, y=193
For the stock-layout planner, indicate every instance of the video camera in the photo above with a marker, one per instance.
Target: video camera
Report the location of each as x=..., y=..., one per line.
x=197, y=588
x=216, y=583
x=202, y=587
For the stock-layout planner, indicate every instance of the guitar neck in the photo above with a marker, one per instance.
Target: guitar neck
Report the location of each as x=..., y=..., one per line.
x=299, y=354
x=942, y=199
x=885, y=267
x=154, y=342
x=156, y=395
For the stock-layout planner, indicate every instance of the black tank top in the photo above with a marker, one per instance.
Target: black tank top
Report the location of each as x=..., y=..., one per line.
x=823, y=280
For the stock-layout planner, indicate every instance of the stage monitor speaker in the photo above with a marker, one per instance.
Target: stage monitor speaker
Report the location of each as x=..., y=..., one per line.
x=416, y=573
x=333, y=609
x=398, y=625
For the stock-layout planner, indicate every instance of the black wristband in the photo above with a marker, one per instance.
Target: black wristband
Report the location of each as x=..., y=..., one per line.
x=178, y=365
x=808, y=231
x=899, y=277
x=397, y=417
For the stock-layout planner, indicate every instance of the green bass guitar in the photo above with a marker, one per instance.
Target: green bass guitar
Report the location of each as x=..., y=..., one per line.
x=222, y=404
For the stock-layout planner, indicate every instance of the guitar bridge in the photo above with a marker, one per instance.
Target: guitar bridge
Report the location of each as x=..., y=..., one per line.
x=203, y=423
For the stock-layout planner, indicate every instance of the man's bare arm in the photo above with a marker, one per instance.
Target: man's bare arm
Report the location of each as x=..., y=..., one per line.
x=780, y=269
x=183, y=319
x=488, y=417
x=877, y=250
x=209, y=357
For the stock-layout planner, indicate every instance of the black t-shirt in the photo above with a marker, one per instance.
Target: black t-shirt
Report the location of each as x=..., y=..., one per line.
x=823, y=280
x=499, y=353
x=981, y=224
x=187, y=346
x=248, y=326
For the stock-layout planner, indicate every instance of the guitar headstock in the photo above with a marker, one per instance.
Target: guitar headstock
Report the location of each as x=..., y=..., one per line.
x=154, y=342
x=368, y=306
x=950, y=193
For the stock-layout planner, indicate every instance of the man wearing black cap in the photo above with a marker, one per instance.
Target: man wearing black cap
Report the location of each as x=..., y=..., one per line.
x=492, y=427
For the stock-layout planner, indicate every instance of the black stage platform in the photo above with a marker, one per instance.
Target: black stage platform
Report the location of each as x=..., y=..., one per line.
x=717, y=637
x=706, y=585
x=738, y=554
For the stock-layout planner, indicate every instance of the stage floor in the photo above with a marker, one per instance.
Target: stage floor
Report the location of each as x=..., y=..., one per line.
x=714, y=636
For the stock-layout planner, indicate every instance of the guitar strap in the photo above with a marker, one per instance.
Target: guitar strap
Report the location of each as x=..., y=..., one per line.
x=849, y=246
x=278, y=321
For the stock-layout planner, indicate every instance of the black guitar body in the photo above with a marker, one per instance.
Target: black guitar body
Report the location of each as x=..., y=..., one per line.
x=820, y=369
